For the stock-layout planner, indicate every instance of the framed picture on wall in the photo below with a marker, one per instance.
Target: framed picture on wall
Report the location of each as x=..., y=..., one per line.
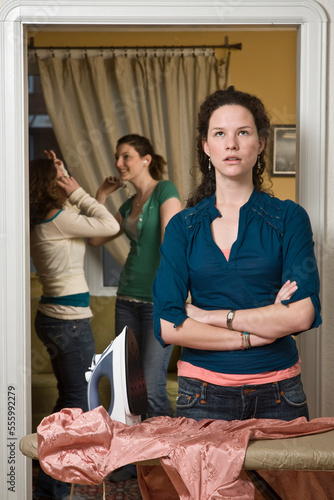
x=284, y=150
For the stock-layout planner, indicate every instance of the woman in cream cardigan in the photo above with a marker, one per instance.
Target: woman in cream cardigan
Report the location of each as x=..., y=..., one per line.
x=61, y=215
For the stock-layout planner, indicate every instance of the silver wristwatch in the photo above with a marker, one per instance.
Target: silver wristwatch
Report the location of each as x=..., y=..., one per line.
x=229, y=319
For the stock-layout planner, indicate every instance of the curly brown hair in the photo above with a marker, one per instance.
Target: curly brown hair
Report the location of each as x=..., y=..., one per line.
x=214, y=101
x=44, y=193
x=144, y=147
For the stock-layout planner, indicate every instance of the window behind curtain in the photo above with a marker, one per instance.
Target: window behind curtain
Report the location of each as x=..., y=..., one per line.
x=41, y=137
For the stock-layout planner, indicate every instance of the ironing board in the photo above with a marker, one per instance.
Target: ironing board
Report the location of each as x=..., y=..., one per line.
x=314, y=452
x=310, y=452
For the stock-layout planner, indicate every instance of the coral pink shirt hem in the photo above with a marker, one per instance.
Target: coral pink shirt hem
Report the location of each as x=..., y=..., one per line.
x=185, y=369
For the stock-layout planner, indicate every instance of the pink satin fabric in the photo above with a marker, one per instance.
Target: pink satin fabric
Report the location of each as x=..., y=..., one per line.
x=203, y=460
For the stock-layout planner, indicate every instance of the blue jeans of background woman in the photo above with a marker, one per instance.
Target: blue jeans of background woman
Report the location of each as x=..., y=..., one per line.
x=71, y=346
x=154, y=358
x=283, y=400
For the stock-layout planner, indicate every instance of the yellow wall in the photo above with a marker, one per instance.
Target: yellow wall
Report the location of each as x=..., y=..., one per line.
x=266, y=65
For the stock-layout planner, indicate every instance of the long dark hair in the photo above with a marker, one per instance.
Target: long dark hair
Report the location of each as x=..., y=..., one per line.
x=44, y=193
x=214, y=101
x=144, y=147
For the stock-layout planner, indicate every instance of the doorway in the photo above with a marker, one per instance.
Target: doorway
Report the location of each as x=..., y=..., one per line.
x=16, y=19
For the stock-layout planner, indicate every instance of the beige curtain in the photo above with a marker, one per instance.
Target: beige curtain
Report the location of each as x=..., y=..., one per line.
x=92, y=101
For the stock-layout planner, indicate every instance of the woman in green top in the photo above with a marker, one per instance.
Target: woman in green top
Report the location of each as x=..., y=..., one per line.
x=143, y=219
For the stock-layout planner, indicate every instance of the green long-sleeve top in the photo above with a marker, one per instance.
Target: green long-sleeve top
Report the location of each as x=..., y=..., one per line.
x=144, y=256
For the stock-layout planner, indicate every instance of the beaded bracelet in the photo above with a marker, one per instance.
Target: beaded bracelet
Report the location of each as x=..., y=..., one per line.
x=245, y=341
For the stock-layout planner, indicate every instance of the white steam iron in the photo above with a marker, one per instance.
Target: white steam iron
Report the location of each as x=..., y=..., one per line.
x=120, y=363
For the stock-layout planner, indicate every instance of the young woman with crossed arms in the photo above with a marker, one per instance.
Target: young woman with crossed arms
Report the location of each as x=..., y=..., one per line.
x=247, y=259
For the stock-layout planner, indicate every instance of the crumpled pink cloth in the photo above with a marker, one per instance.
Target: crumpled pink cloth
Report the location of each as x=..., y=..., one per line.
x=203, y=460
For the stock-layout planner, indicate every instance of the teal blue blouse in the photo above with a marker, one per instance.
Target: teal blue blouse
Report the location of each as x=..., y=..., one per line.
x=274, y=244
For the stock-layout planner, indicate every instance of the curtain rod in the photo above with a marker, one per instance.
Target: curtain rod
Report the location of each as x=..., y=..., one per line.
x=236, y=46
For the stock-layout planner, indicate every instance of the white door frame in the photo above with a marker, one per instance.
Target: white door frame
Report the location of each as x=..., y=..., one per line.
x=15, y=17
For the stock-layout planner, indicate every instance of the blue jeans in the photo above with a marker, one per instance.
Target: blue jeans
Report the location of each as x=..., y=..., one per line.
x=283, y=400
x=154, y=358
x=71, y=346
